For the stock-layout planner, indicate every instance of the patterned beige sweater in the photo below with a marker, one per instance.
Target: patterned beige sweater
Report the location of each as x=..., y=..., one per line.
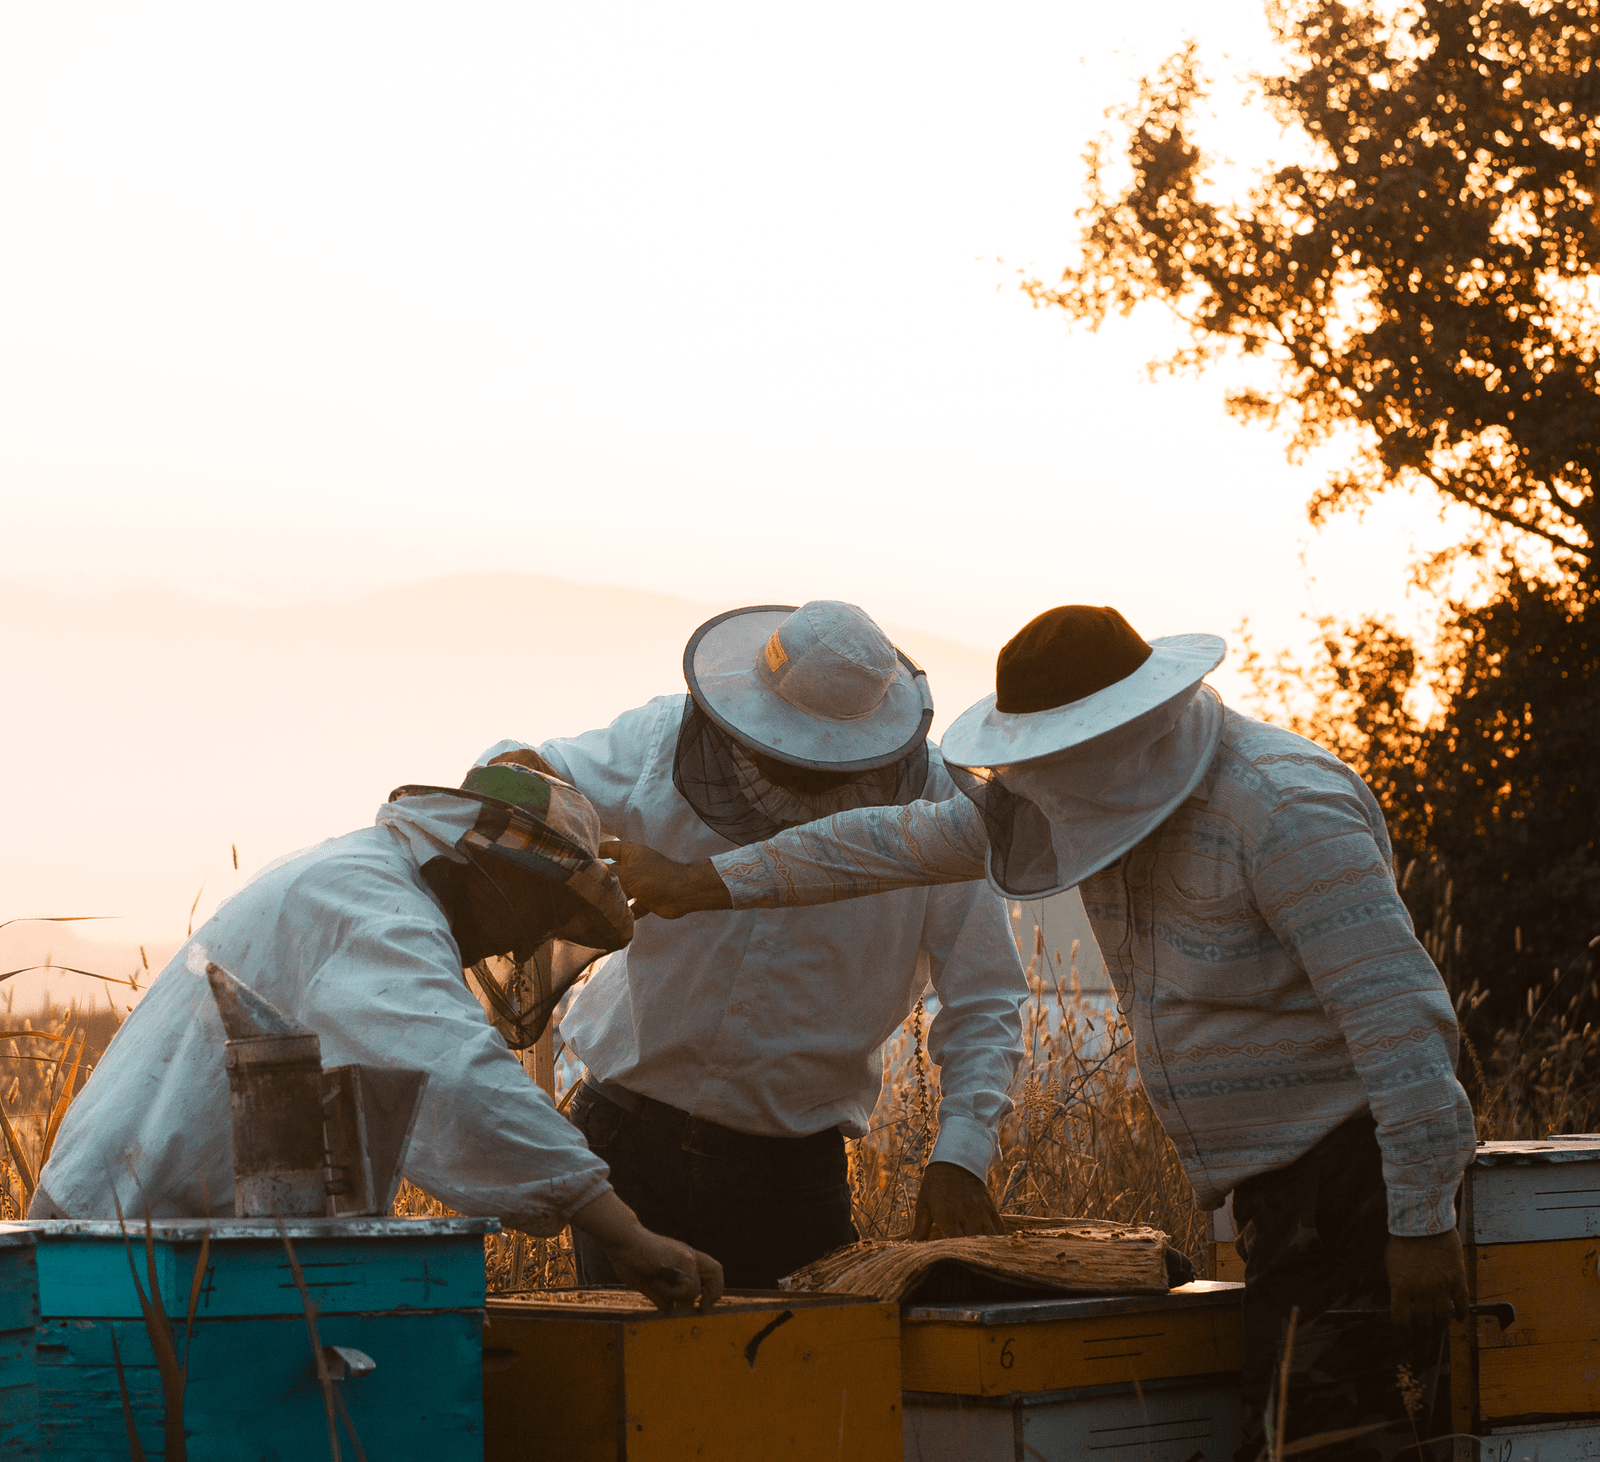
x=1262, y=957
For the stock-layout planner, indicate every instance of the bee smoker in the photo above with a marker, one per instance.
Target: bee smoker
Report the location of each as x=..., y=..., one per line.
x=307, y=1142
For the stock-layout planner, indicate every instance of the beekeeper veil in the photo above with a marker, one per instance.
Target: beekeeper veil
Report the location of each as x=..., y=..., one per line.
x=533, y=839
x=820, y=691
x=1093, y=738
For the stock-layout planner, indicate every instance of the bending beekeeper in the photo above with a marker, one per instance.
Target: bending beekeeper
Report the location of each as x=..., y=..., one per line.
x=729, y=1057
x=1293, y=1035
x=363, y=939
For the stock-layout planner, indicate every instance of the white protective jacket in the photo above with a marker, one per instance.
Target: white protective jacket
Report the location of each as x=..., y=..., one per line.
x=347, y=939
x=773, y=1022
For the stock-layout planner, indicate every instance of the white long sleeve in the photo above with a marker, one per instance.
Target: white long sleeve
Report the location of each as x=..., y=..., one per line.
x=347, y=940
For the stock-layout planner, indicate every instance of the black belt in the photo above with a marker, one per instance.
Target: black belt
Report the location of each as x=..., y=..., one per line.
x=706, y=1138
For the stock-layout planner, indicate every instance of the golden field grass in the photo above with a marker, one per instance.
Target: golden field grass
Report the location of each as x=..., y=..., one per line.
x=1081, y=1141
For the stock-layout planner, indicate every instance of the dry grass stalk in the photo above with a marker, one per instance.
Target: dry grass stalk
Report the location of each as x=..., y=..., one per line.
x=174, y=1373
x=42, y=1069
x=1072, y=1255
x=1082, y=1140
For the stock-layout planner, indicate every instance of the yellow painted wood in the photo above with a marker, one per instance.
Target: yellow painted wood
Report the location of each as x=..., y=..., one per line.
x=610, y=1386
x=1553, y=1286
x=1523, y=1380
x=1226, y=1263
x=825, y=1383
x=1549, y=1360
x=968, y=1359
x=551, y=1388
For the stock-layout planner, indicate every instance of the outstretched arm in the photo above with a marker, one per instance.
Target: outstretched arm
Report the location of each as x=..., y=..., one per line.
x=846, y=856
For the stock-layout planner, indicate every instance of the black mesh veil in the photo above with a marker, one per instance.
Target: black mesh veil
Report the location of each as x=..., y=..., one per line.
x=716, y=776
x=520, y=997
x=1022, y=853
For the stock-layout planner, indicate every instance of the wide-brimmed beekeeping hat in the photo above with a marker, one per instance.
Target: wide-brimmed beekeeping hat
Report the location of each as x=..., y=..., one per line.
x=817, y=686
x=1092, y=739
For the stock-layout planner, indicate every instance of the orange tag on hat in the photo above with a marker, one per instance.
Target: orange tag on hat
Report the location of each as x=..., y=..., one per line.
x=777, y=656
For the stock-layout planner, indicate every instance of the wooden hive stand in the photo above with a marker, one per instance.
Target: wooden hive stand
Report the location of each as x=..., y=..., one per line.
x=1530, y=1225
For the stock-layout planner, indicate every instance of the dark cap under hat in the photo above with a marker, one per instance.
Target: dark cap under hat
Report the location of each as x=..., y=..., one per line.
x=1063, y=656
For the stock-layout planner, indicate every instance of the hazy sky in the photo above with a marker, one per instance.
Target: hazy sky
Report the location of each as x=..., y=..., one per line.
x=719, y=301
x=305, y=300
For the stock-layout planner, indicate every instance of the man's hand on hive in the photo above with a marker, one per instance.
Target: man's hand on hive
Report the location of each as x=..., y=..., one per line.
x=1427, y=1279
x=955, y=1202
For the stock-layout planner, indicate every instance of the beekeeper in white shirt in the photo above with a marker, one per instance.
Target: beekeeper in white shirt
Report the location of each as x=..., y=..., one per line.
x=363, y=939
x=730, y=1055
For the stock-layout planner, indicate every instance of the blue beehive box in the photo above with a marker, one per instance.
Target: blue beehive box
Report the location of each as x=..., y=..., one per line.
x=19, y=1318
x=406, y=1293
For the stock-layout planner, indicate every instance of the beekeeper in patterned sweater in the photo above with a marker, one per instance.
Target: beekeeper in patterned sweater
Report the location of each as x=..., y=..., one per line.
x=363, y=940
x=729, y=1057
x=1293, y=1035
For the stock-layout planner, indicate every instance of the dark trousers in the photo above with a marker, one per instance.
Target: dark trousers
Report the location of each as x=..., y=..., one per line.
x=761, y=1206
x=1312, y=1236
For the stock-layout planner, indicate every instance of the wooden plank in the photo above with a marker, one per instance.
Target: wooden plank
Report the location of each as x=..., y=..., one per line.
x=1226, y=1263
x=253, y=1392
x=17, y=1362
x=945, y=1357
x=1539, y=1380
x=1161, y=1424
x=89, y=1277
x=19, y=1288
x=975, y=1360
x=794, y=1383
x=552, y=1386
x=1554, y=1287
x=958, y=1429
x=1573, y=1442
x=1548, y=1361
x=1532, y=1203
x=19, y=1316
x=19, y=1423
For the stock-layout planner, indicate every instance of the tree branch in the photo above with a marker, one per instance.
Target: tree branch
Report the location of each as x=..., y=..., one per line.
x=1464, y=496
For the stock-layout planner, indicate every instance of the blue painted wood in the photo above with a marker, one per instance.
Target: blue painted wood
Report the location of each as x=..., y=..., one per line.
x=19, y=1423
x=19, y=1315
x=16, y=1357
x=19, y=1285
x=83, y=1267
x=409, y=1294
x=253, y=1393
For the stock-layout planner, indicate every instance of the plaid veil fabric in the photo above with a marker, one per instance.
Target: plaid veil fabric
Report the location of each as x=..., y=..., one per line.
x=715, y=775
x=529, y=819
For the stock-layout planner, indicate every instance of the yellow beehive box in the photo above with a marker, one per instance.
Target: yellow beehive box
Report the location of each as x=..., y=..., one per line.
x=1530, y=1223
x=598, y=1377
x=1147, y=1376
x=1223, y=1257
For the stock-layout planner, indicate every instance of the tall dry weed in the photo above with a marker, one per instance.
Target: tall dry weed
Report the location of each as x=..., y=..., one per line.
x=45, y=1059
x=1082, y=1140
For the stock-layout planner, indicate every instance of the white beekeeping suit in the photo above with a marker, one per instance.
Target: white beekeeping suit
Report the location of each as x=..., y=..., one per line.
x=349, y=939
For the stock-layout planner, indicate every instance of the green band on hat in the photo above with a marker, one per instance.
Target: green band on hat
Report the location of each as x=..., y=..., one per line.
x=510, y=784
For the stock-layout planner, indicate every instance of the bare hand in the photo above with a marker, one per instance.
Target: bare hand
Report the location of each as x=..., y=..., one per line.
x=668, y=1272
x=657, y=885
x=661, y=1269
x=1427, y=1279
x=955, y=1202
